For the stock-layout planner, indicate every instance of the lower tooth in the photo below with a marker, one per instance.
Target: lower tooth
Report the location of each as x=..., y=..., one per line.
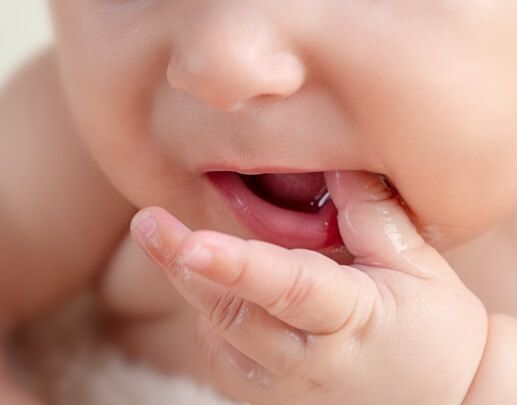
x=323, y=199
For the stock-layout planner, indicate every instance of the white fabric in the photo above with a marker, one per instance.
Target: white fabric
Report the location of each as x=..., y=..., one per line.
x=64, y=360
x=24, y=28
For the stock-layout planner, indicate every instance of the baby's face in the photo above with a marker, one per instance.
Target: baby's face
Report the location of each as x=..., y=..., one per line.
x=424, y=92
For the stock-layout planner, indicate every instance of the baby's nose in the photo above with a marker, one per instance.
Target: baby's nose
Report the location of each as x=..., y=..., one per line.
x=228, y=58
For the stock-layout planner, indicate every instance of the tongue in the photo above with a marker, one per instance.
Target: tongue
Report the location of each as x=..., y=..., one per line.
x=302, y=192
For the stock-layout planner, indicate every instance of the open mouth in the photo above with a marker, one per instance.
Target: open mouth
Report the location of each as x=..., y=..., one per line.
x=305, y=192
x=288, y=209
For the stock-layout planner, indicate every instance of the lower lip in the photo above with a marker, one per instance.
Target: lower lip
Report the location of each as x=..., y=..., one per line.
x=291, y=229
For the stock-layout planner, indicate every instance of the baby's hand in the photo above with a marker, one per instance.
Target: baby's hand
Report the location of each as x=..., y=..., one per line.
x=292, y=326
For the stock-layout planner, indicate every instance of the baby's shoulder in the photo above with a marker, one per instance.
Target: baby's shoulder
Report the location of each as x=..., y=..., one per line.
x=33, y=89
x=59, y=215
x=33, y=112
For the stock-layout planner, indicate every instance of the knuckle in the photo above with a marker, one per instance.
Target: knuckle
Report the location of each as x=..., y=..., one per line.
x=289, y=301
x=228, y=311
x=358, y=318
x=243, y=268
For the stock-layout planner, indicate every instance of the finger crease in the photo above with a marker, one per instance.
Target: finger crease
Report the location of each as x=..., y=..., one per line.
x=243, y=269
x=296, y=293
x=226, y=311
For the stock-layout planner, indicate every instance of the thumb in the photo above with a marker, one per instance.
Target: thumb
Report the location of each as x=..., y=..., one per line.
x=376, y=228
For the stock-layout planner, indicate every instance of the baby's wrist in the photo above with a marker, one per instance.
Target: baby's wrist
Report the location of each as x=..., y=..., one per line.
x=494, y=381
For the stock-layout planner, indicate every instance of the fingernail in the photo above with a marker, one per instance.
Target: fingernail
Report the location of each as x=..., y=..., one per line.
x=197, y=258
x=144, y=225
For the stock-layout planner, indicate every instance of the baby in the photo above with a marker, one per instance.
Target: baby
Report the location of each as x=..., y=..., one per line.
x=346, y=146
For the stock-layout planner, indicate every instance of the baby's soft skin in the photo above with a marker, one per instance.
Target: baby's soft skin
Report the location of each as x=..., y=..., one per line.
x=161, y=103
x=291, y=326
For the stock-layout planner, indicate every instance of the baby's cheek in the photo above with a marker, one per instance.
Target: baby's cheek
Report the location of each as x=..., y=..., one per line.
x=445, y=133
x=452, y=205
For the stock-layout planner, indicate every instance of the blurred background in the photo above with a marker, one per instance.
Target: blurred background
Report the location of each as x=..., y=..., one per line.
x=60, y=358
x=24, y=29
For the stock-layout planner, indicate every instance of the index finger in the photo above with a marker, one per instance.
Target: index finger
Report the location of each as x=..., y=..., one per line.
x=302, y=288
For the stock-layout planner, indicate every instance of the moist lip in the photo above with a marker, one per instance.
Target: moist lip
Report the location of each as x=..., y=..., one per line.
x=302, y=224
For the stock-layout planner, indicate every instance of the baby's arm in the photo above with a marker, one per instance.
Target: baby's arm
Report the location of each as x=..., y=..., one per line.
x=59, y=217
x=495, y=379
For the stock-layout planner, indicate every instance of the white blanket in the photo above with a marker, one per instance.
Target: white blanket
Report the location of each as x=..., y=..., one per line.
x=64, y=360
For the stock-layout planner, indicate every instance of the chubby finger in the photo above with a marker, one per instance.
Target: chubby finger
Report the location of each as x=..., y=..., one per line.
x=250, y=329
x=376, y=228
x=266, y=340
x=300, y=287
